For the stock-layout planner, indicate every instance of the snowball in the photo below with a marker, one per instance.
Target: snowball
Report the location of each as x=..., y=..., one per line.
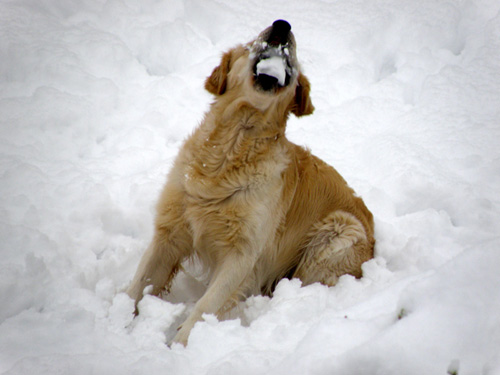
x=273, y=66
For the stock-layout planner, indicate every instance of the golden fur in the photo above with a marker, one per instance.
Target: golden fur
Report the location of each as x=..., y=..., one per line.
x=249, y=204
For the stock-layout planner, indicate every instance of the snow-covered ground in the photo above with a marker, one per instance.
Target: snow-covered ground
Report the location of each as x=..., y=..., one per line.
x=95, y=99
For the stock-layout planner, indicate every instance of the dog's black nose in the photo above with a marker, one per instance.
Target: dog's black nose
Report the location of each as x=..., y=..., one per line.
x=279, y=32
x=282, y=27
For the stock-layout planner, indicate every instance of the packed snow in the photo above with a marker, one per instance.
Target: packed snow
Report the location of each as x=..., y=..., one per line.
x=96, y=98
x=273, y=66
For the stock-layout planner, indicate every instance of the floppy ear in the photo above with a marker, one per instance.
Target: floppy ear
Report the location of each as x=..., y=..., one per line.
x=216, y=83
x=302, y=105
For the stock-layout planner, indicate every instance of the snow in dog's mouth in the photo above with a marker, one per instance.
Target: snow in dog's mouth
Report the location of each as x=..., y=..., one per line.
x=272, y=69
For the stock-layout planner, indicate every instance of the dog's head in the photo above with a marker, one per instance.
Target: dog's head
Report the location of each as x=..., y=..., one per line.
x=264, y=69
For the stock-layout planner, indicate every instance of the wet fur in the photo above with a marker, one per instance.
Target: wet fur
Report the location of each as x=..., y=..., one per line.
x=249, y=204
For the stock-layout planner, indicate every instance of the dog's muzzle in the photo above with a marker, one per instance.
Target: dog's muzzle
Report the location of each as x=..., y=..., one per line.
x=274, y=57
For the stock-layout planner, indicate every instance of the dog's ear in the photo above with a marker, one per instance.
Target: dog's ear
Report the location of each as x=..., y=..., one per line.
x=217, y=81
x=302, y=105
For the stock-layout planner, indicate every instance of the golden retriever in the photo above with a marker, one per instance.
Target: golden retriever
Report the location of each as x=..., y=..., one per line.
x=249, y=204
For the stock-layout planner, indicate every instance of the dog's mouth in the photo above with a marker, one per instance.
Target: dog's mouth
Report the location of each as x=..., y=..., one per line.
x=274, y=57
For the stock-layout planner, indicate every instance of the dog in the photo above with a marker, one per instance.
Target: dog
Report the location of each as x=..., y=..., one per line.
x=250, y=205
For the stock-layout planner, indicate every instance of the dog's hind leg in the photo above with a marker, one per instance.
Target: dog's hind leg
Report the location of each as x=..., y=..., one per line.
x=171, y=244
x=336, y=245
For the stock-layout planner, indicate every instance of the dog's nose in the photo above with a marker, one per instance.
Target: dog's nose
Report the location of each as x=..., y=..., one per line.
x=279, y=32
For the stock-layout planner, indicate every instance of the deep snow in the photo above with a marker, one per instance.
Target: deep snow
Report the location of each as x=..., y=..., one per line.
x=95, y=99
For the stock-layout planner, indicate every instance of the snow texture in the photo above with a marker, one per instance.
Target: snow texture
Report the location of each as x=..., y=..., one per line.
x=96, y=98
x=273, y=66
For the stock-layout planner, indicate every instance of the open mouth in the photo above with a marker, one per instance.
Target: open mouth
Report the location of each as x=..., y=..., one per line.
x=273, y=67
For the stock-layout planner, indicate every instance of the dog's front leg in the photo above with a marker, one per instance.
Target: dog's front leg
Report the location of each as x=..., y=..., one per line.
x=225, y=284
x=172, y=243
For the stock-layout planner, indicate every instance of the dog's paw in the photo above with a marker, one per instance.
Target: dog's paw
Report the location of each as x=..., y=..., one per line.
x=181, y=337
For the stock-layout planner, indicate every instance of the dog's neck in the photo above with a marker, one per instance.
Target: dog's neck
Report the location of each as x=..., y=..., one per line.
x=264, y=117
x=235, y=136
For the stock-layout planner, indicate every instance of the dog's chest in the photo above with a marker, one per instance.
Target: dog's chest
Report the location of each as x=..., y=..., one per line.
x=216, y=173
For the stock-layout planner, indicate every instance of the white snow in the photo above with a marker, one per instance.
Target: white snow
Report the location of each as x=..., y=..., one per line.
x=97, y=96
x=273, y=66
